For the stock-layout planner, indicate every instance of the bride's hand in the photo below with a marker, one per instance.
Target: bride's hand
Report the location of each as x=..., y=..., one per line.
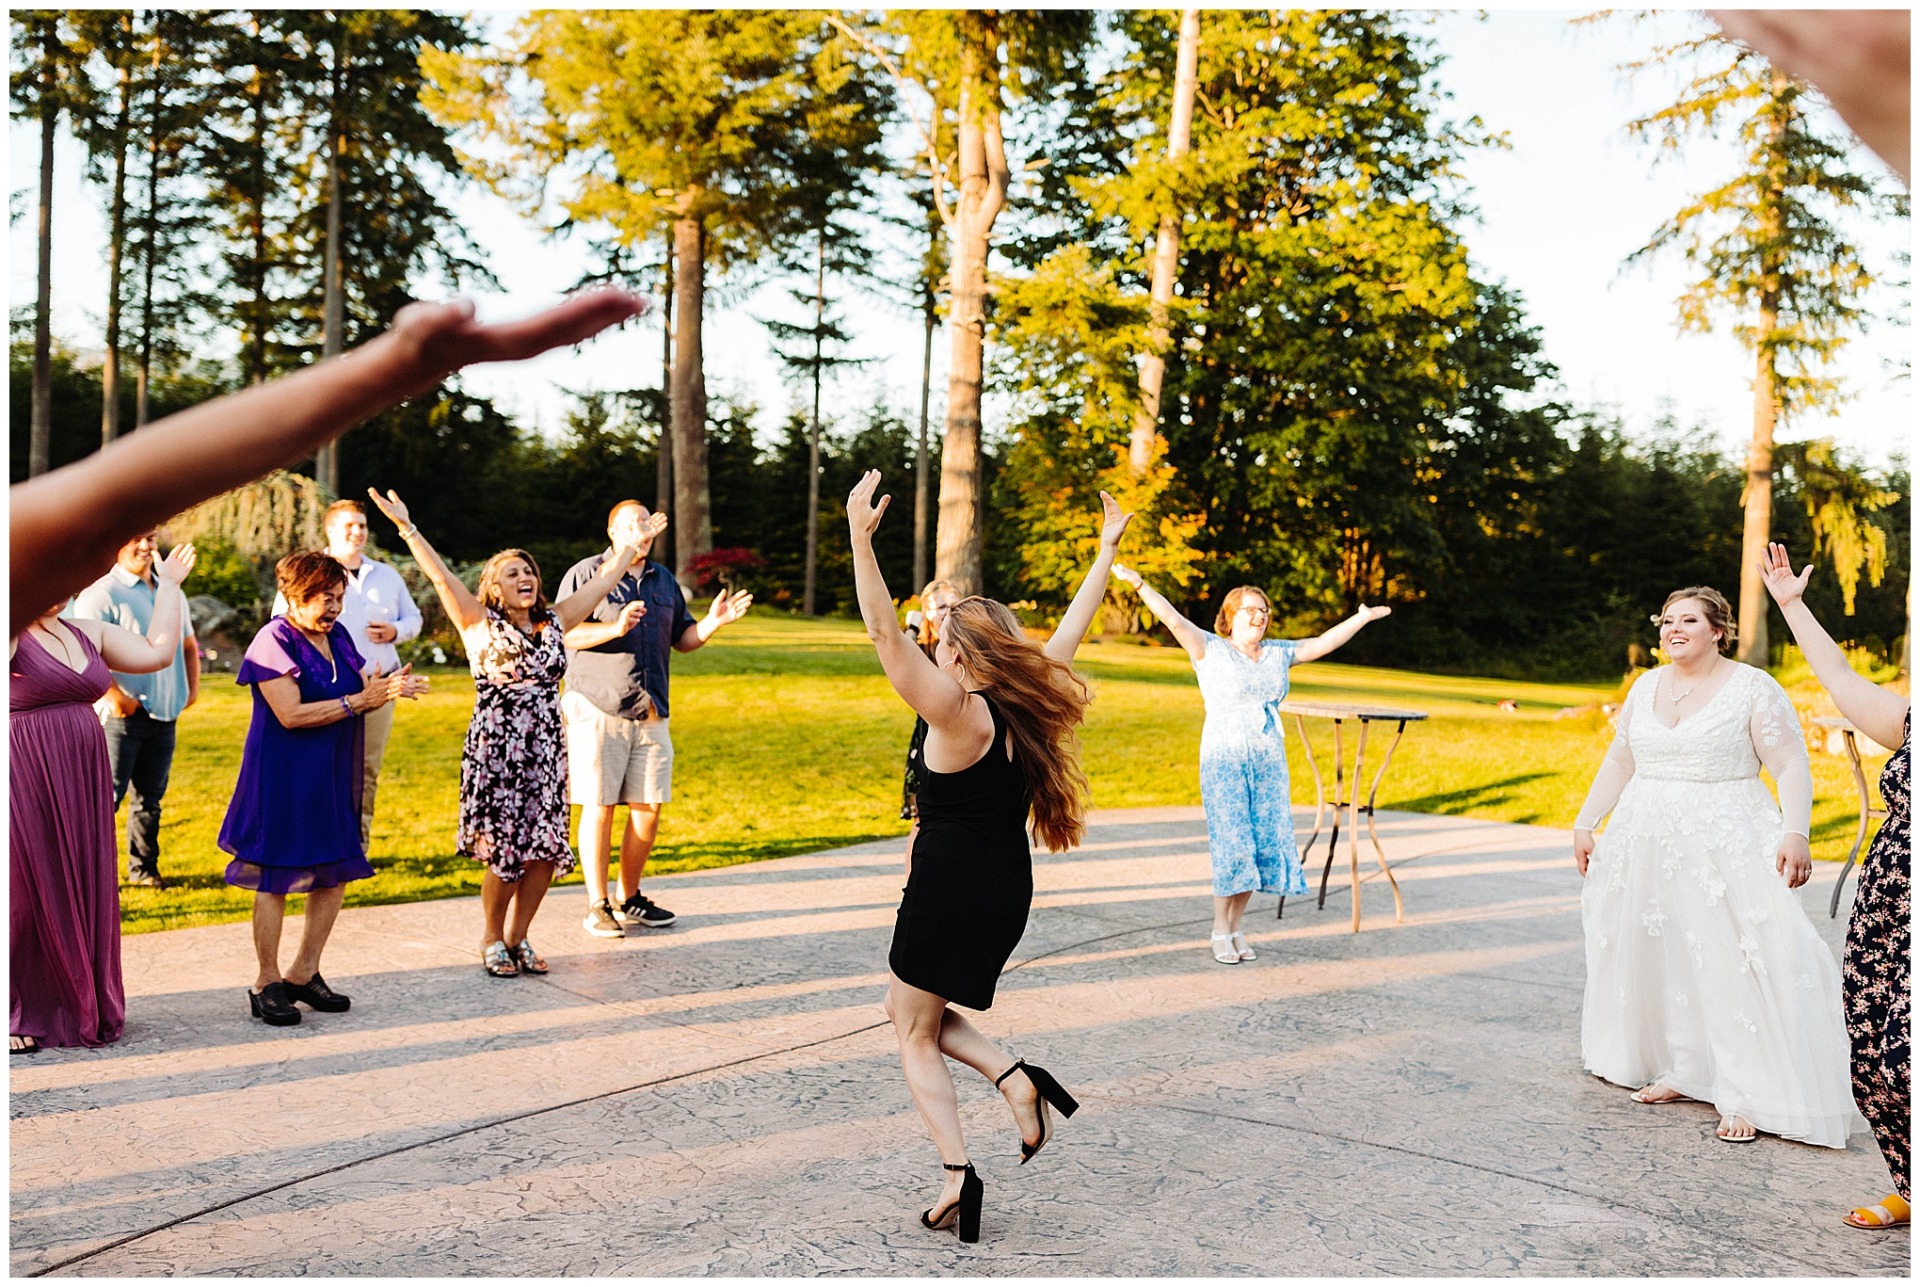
x=1794, y=860
x=1582, y=848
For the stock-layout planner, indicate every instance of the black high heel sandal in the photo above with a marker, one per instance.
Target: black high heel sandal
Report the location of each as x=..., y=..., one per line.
x=1051, y=1093
x=965, y=1210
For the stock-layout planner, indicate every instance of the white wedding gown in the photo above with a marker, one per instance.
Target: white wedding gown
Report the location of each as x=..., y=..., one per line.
x=1703, y=971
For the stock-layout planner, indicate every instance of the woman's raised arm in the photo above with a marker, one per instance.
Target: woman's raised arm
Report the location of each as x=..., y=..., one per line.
x=1191, y=637
x=1067, y=636
x=67, y=525
x=934, y=695
x=462, y=608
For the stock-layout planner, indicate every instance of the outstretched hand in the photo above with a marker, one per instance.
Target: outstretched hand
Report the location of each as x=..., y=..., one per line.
x=392, y=506
x=655, y=525
x=729, y=608
x=1127, y=575
x=439, y=339
x=1374, y=613
x=1113, y=523
x=863, y=515
x=179, y=562
x=1776, y=569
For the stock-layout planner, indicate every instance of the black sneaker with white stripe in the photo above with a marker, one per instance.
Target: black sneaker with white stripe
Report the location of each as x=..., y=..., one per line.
x=644, y=912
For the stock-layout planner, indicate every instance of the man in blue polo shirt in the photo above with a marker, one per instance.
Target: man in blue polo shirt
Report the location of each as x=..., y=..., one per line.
x=619, y=750
x=138, y=711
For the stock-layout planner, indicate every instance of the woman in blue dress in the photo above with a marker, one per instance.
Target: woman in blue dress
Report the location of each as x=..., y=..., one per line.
x=293, y=825
x=1243, y=753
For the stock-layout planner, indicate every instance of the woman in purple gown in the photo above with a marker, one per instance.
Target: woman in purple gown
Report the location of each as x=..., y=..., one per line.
x=64, y=917
x=294, y=824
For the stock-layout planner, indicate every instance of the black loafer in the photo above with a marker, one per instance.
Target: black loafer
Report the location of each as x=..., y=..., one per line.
x=272, y=1005
x=317, y=994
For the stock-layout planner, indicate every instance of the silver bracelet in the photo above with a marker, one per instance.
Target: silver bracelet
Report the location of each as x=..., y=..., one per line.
x=410, y=531
x=347, y=706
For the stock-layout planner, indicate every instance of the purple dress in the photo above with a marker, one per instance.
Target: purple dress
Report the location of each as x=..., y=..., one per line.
x=63, y=869
x=294, y=823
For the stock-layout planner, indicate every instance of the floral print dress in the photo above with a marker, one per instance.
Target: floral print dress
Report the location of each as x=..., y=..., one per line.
x=513, y=773
x=1879, y=1006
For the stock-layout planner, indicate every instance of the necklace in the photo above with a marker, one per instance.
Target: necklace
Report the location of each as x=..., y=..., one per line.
x=1675, y=697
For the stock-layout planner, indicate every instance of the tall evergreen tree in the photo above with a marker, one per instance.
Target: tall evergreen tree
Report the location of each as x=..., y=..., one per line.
x=1771, y=252
x=47, y=81
x=672, y=118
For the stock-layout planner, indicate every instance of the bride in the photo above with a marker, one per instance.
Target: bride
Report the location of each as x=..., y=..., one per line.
x=1705, y=979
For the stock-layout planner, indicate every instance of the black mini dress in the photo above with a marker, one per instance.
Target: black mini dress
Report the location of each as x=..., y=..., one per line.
x=965, y=905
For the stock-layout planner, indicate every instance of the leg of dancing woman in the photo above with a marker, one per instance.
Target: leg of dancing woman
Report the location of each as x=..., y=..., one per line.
x=1000, y=711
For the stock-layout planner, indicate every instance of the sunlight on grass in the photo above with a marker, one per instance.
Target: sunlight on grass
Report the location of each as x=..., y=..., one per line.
x=787, y=739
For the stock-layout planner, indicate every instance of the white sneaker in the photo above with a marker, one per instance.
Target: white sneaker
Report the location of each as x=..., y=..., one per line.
x=1224, y=951
x=1240, y=945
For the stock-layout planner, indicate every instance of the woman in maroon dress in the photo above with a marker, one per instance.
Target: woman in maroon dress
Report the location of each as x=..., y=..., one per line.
x=64, y=922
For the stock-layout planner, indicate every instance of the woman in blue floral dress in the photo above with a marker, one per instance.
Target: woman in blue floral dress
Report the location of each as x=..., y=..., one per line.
x=513, y=780
x=1243, y=754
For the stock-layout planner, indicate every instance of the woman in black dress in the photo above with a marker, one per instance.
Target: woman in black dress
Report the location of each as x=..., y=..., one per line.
x=1001, y=712
x=1874, y=977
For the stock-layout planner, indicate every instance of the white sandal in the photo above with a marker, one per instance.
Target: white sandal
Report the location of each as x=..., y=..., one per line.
x=1224, y=951
x=1241, y=946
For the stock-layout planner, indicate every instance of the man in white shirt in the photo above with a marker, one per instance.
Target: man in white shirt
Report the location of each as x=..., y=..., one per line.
x=379, y=613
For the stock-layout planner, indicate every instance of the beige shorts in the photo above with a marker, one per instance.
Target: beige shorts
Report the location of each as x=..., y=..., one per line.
x=614, y=760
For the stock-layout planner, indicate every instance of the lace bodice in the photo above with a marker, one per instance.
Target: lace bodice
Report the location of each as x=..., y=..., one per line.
x=1750, y=722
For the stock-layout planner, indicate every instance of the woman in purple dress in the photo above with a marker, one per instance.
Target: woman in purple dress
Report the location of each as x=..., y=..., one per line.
x=513, y=772
x=64, y=917
x=294, y=824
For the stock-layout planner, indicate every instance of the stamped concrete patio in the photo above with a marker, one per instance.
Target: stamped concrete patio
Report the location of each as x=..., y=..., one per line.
x=722, y=1098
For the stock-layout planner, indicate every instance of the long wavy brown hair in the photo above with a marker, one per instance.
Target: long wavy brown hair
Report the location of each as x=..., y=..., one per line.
x=488, y=589
x=1043, y=703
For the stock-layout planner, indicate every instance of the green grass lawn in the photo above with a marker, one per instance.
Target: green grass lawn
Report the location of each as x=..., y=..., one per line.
x=788, y=739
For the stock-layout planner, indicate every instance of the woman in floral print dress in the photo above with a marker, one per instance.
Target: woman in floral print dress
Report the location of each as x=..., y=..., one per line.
x=513, y=778
x=1874, y=990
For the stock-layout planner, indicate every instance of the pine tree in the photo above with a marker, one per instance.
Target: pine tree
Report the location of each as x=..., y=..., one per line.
x=653, y=120
x=1770, y=251
x=47, y=81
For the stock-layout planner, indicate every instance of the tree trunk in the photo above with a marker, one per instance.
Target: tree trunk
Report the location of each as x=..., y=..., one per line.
x=1758, y=499
x=692, y=512
x=1166, y=255
x=326, y=461
x=117, y=242
x=256, y=345
x=983, y=192
x=920, y=462
x=813, y=434
x=663, y=470
x=148, y=252
x=40, y=426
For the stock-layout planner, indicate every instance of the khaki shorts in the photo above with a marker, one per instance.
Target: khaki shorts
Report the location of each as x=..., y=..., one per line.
x=614, y=760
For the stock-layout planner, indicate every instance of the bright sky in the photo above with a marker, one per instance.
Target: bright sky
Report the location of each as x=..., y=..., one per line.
x=1560, y=210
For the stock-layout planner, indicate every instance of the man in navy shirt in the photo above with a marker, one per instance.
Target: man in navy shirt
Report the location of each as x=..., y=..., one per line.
x=619, y=750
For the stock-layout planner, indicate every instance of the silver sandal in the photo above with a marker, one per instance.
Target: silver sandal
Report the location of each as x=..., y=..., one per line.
x=498, y=961
x=530, y=961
